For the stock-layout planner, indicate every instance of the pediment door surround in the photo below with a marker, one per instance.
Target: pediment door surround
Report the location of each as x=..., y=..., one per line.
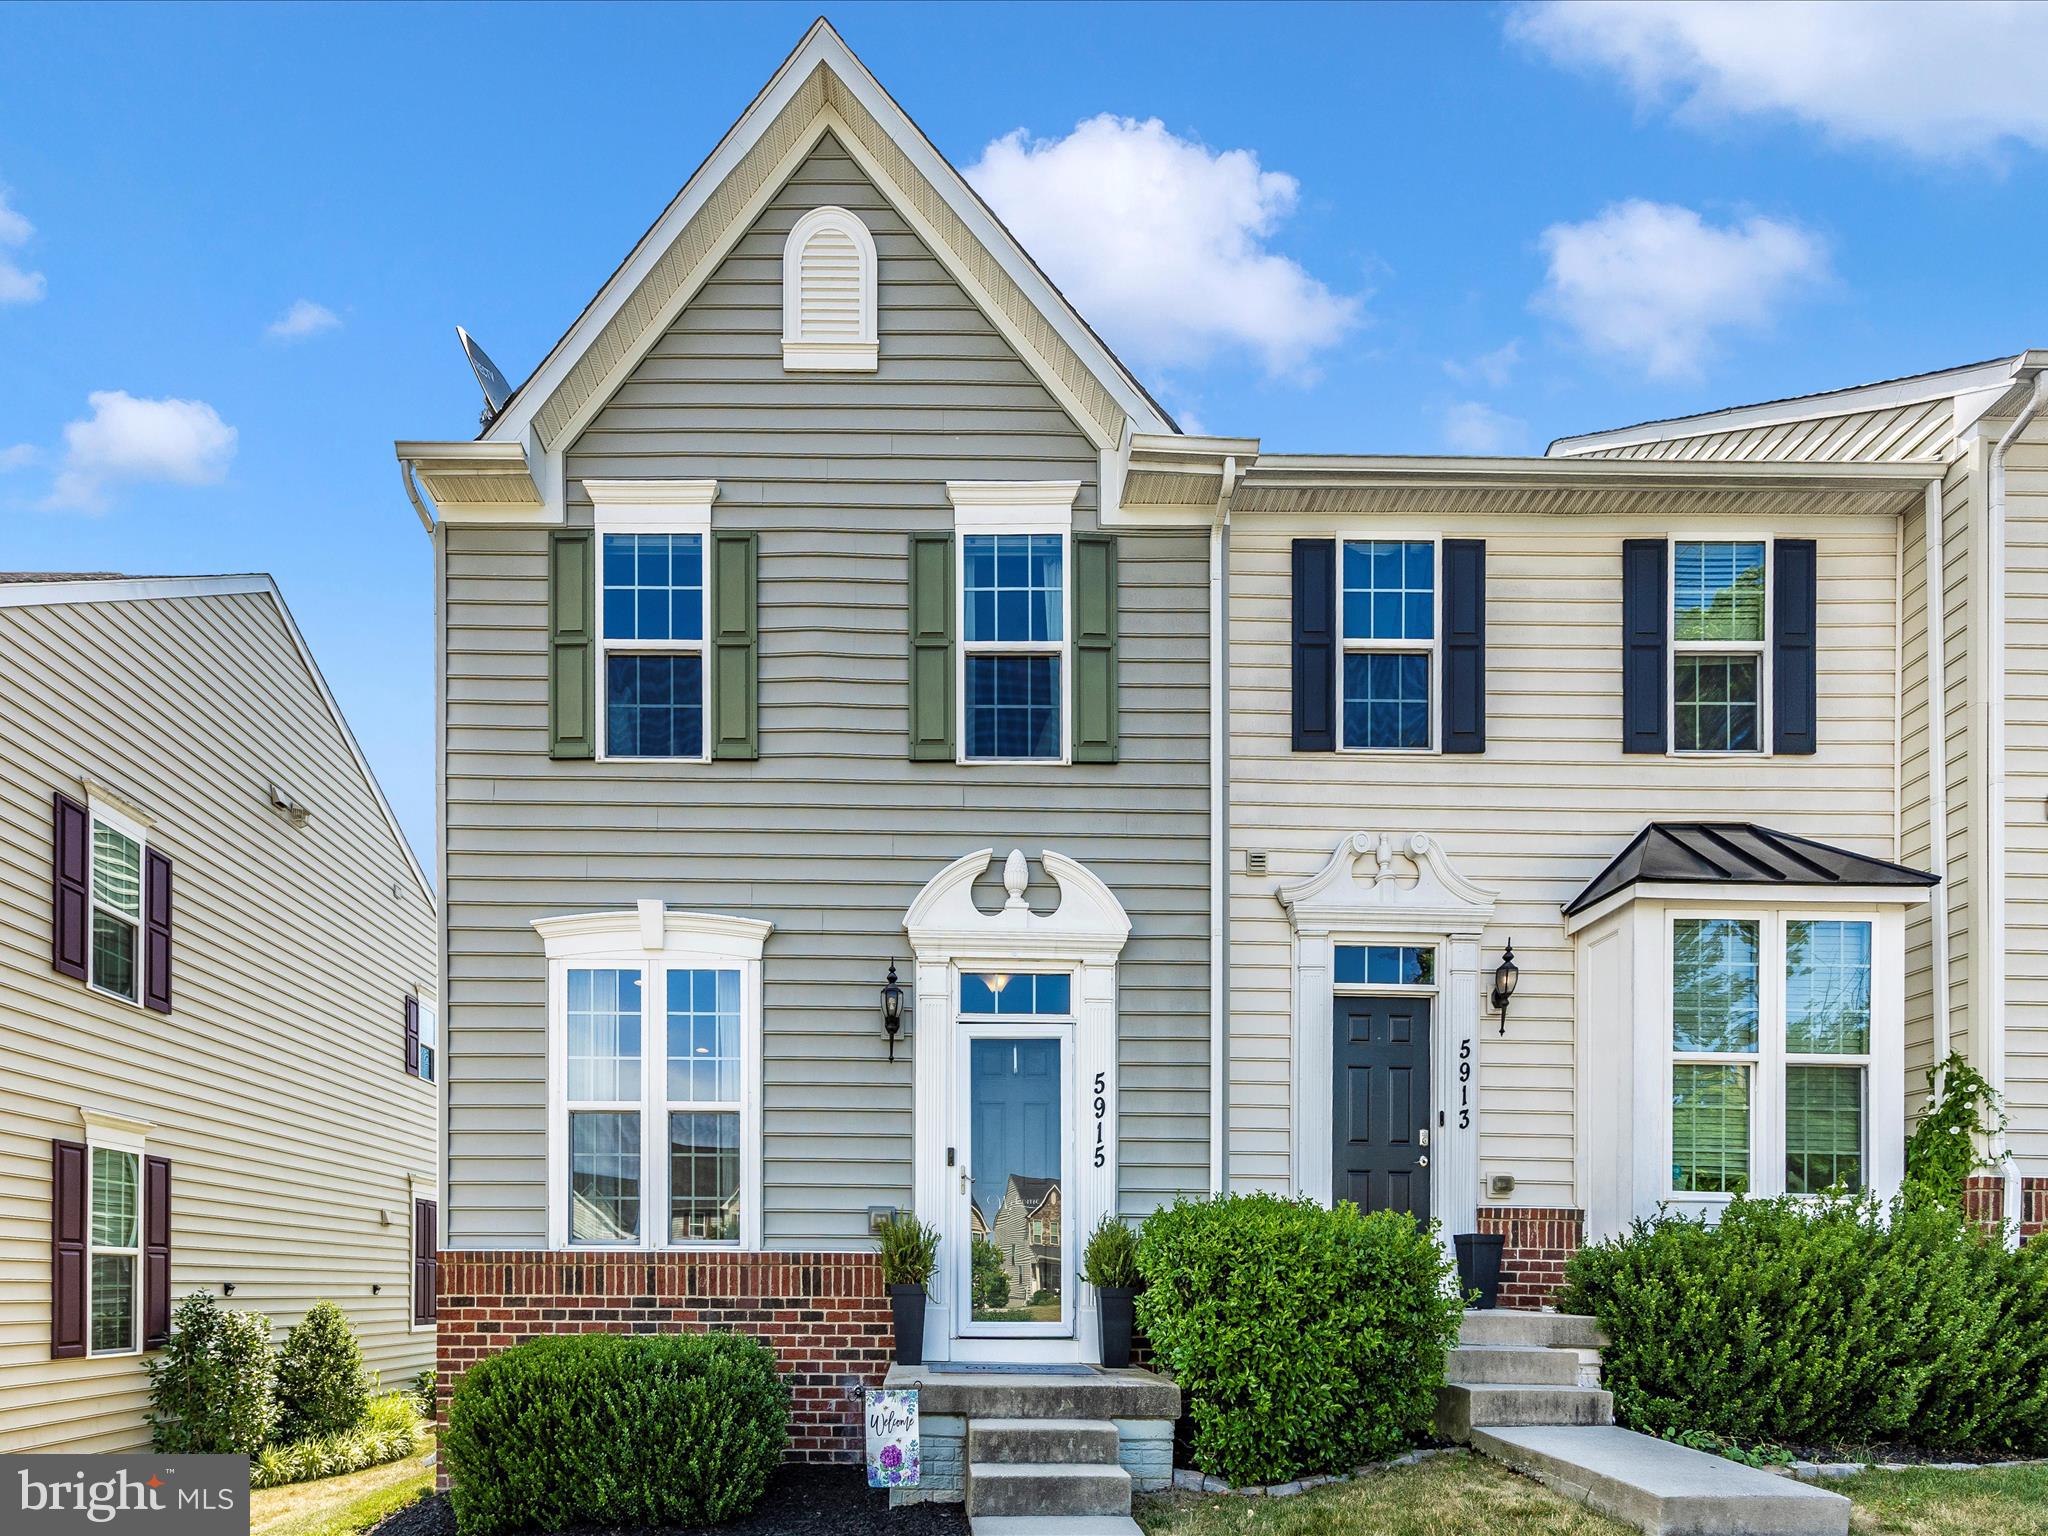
x=1381, y=888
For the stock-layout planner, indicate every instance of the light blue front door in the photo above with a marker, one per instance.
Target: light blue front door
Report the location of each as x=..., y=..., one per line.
x=1016, y=1151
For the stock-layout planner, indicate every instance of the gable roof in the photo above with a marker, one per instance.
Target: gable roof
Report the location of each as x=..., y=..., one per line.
x=32, y=590
x=1738, y=853
x=822, y=87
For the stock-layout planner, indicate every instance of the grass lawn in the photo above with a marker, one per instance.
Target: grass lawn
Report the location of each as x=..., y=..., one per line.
x=2010, y=1500
x=341, y=1506
x=1450, y=1495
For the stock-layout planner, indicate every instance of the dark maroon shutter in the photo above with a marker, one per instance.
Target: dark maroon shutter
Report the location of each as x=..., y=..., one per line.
x=412, y=1036
x=67, y=1249
x=156, y=926
x=425, y=1240
x=156, y=1252
x=71, y=868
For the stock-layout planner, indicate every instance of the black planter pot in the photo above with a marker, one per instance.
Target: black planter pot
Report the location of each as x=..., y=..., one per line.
x=906, y=1306
x=1117, y=1311
x=1479, y=1266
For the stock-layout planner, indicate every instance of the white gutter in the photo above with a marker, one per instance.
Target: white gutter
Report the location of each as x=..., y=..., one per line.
x=1995, y=807
x=413, y=494
x=1937, y=765
x=1219, y=822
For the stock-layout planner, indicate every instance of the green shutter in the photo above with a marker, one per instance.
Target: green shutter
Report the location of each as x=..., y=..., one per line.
x=572, y=593
x=931, y=647
x=735, y=645
x=1095, y=648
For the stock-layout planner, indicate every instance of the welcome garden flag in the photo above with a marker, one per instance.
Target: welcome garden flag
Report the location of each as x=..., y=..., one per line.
x=892, y=1438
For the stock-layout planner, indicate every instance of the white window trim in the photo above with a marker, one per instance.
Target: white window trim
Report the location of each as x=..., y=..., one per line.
x=802, y=354
x=419, y=1186
x=428, y=1013
x=1761, y=649
x=1346, y=644
x=102, y=806
x=1432, y=943
x=651, y=938
x=1767, y=1063
x=982, y=507
x=117, y=1133
x=651, y=506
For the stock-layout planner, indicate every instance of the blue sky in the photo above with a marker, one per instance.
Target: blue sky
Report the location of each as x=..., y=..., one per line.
x=1386, y=229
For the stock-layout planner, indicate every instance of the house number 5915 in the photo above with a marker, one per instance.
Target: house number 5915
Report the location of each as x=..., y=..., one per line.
x=1101, y=1116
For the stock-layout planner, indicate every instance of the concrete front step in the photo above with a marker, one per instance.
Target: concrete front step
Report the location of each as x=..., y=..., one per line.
x=1545, y=1330
x=1098, y=1394
x=1053, y=1525
x=1462, y=1408
x=1526, y=1365
x=1073, y=1442
x=1045, y=1488
x=1663, y=1488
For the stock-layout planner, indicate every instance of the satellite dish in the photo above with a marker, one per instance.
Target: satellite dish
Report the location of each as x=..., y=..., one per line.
x=488, y=378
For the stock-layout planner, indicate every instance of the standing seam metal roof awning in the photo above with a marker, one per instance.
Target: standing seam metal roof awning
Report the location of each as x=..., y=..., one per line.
x=1738, y=853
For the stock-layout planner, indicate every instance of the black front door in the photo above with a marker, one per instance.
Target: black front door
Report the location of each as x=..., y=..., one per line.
x=1382, y=1103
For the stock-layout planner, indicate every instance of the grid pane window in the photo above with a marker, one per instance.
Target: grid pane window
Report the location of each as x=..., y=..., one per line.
x=1709, y=1129
x=1013, y=706
x=1014, y=588
x=1719, y=623
x=704, y=1177
x=113, y=1303
x=1386, y=700
x=651, y=602
x=1827, y=988
x=1013, y=611
x=1718, y=592
x=1389, y=590
x=1009, y=995
x=116, y=909
x=1385, y=965
x=703, y=1037
x=115, y=1250
x=1823, y=1128
x=1717, y=701
x=1714, y=1003
x=1388, y=603
x=115, y=1198
x=604, y=1176
x=604, y=1036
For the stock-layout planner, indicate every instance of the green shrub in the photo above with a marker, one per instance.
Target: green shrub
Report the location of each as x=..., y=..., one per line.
x=390, y=1430
x=1111, y=1257
x=1304, y=1340
x=910, y=1250
x=1838, y=1323
x=991, y=1281
x=426, y=1392
x=614, y=1430
x=211, y=1388
x=320, y=1387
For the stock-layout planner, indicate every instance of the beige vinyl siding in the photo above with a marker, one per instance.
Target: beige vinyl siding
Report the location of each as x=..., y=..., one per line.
x=2026, y=802
x=277, y=1084
x=1922, y=429
x=1552, y=799
x=833, y=831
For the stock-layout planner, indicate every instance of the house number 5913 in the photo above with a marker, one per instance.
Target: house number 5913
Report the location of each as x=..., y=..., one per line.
x=1101, y=1117
x=1465, y=1085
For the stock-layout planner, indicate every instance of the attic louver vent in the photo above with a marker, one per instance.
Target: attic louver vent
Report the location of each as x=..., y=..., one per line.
x=828, y=294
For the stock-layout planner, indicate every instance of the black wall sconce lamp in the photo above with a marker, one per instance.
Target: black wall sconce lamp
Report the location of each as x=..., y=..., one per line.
x=377, y=1290
x=892, y=1009
x=1505, y=976
x=227, y=1287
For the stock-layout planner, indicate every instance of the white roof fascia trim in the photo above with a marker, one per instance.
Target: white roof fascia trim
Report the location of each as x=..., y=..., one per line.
x=1750, y=894
x=1772, y=413
x=1284, y=471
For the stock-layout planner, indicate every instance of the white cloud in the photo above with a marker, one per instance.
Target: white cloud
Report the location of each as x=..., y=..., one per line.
x=1163, y=242
x=1654, y=284
x=303, y=319
x=1951, y=78
x=19, y=456
x=1472, y=426
x=16, y=285
x=1492, y=369
x=125, y=439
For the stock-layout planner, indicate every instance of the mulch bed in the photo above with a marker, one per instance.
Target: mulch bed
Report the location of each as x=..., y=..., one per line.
x=801, y=1501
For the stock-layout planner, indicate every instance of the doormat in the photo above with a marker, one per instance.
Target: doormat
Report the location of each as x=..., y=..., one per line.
x=997, y=1368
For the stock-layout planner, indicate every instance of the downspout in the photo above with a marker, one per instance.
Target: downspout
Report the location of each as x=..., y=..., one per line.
x=1937, y=765
x=412, y=493
x=1995, y=807
x=1219, y=823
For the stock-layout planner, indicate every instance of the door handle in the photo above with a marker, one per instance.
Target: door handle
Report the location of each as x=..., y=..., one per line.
x=1422, y=1161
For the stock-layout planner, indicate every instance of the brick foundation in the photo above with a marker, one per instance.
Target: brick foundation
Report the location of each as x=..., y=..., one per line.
x=826, y=1315
x=2033, y=1207
x=1538, y=1241
x=1984, y=1200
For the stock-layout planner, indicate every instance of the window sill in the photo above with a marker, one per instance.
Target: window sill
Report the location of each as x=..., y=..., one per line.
x=114, y=1354
x=1016, y=762
x=115, y=997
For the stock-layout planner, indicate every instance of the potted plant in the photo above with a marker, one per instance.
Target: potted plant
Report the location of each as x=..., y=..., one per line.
x=910, y=1251
x=1110, y=1264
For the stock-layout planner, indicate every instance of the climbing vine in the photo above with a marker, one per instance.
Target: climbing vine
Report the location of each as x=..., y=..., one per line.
x=1941, y=1154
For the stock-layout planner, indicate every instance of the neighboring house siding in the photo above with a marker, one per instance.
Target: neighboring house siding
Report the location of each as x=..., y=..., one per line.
x=1536, y=816
x=1899, y=433
x=2025, y=826
x=833, y=831
x=276, y=1085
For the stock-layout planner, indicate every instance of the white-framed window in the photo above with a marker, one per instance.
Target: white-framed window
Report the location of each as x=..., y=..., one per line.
x=118, y=954
x=113, y=1305
x=1387, y=604
x=430, y=1041
x=829, y=290
x=1015, y=675
x=1720, y=645
x=1770, y=1052
x=1369, y=967
x=654, y=1079
x=653, y=613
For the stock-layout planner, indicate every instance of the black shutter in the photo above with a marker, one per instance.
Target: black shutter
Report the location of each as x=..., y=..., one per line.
x=67, y=1249
x=1464, y=703
x=425, y=1240
x=156, y=1252
x=412, y=1036
x=1795, y=703
x=1315, y=645
x=156, y=931
x=1646, y=643
x=71, y=877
